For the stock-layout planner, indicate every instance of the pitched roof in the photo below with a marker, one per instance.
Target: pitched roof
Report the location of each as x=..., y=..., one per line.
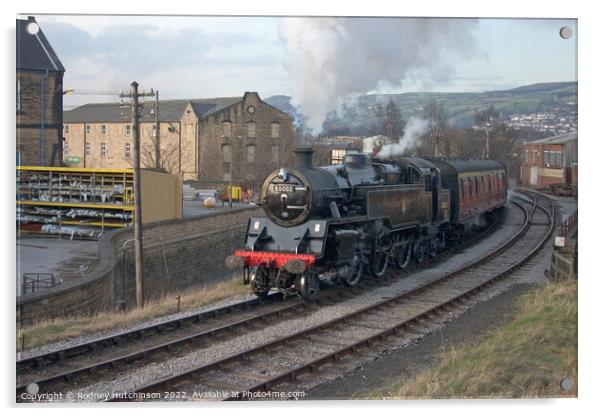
x=563, y=138
x=169, y=110
x=34, y=51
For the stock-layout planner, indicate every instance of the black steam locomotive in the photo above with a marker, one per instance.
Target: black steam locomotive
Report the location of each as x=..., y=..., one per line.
x=330, y=225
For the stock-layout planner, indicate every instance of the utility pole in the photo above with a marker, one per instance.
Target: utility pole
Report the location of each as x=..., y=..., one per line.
x=135, y=115
x=487, y=141
x=157, y=133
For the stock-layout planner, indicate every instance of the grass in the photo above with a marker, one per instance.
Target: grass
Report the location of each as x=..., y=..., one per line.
x=62, y=329
x=526, y=357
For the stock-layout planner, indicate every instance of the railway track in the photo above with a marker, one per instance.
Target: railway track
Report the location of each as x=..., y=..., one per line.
x=76, y=365
x=287, y=359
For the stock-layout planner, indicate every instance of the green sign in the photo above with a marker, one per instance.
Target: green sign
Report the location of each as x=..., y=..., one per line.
x=72, y=159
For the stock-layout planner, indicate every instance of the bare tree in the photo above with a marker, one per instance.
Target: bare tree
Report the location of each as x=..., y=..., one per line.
x=437, y=119
x=389, y=117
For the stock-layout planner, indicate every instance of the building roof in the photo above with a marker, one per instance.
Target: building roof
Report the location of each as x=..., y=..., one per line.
x=560, y=139
x=34, y=50
x=169, y=110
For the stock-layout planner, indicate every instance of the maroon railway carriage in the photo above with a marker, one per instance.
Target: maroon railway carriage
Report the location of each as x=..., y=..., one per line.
x=476, y=187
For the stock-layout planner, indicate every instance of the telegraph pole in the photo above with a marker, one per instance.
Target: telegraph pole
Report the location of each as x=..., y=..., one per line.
x=135, y=115
x=157, y=133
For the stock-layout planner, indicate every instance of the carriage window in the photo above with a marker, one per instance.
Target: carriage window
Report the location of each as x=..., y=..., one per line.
x=462, y=191
x=427, y=183
x=497, y=181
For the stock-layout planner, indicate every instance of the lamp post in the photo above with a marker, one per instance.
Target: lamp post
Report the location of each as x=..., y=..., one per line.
x=123, y=289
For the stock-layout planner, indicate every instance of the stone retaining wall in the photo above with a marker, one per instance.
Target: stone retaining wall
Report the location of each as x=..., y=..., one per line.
x=177, y=254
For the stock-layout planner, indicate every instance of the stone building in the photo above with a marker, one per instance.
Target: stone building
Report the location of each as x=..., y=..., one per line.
x=330, y=150
x=39, y=101
x=203, y=140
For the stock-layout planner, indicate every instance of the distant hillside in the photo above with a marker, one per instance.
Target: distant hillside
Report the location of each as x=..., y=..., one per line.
x=558, y=97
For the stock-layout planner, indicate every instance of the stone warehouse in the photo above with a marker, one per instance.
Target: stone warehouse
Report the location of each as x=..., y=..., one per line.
x=202, y=140
x=39, y=103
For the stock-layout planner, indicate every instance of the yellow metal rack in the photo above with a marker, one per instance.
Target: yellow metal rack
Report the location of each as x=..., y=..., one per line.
x=75, y=201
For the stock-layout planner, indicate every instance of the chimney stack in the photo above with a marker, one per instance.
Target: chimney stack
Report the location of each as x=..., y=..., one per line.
x=304, y=157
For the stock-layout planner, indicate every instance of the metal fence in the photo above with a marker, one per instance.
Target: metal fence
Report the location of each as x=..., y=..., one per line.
x=569, y=225
x=33, y=282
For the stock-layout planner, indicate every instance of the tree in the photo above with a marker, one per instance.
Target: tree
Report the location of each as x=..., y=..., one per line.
x=488, y=115
x=389, y=117
x=437, y=118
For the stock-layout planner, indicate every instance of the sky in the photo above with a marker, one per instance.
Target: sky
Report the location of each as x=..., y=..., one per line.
x=195, y=57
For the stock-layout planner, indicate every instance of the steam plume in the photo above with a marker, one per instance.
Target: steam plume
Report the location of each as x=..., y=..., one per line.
x=415, y=128
x=332, y=60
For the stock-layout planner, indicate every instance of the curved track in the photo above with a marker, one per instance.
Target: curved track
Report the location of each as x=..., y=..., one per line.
x=289, y=358
x=107, y=356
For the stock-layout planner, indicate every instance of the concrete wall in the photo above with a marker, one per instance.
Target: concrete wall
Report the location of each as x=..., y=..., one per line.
x=177, y=254
x=161, y=196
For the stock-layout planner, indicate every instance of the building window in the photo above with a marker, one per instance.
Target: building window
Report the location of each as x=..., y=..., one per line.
x=87, y=148
x=88, y=128
x=103, y=149
x=18, y=95
x=128, y=129
x=275, y=154
x=154, y=130
x=128, y=150
x=226, y=153
x=336, y=156
x=103, y=129
x=226, y=128
x=66, y=147
x=66, y=129
x=251, y=130
x=275, y=130
x=250, y=154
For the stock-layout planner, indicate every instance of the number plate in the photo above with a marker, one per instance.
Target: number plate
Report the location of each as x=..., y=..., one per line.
x=284, y=188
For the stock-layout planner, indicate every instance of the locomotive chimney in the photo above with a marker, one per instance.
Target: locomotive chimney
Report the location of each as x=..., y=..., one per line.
x=304, y=157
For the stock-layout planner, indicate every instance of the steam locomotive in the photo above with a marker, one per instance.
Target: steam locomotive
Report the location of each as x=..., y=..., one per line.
x=331, y=225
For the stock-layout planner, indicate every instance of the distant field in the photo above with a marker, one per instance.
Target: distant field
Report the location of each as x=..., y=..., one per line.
x=526, y=357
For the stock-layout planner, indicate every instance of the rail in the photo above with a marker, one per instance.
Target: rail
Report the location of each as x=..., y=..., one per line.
x=188, y=376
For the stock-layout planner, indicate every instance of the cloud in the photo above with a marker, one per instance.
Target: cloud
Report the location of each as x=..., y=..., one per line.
x=331, y=60
x=110, y=57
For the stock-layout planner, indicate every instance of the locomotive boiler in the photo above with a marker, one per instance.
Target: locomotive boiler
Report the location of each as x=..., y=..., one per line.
x=331, y=225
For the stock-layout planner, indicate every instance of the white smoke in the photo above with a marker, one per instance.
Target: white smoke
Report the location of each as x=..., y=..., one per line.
x=332, y=60
x=415, y=128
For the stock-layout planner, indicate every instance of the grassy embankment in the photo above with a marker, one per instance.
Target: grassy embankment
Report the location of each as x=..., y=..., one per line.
x=65, y=328
x=526, y=357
